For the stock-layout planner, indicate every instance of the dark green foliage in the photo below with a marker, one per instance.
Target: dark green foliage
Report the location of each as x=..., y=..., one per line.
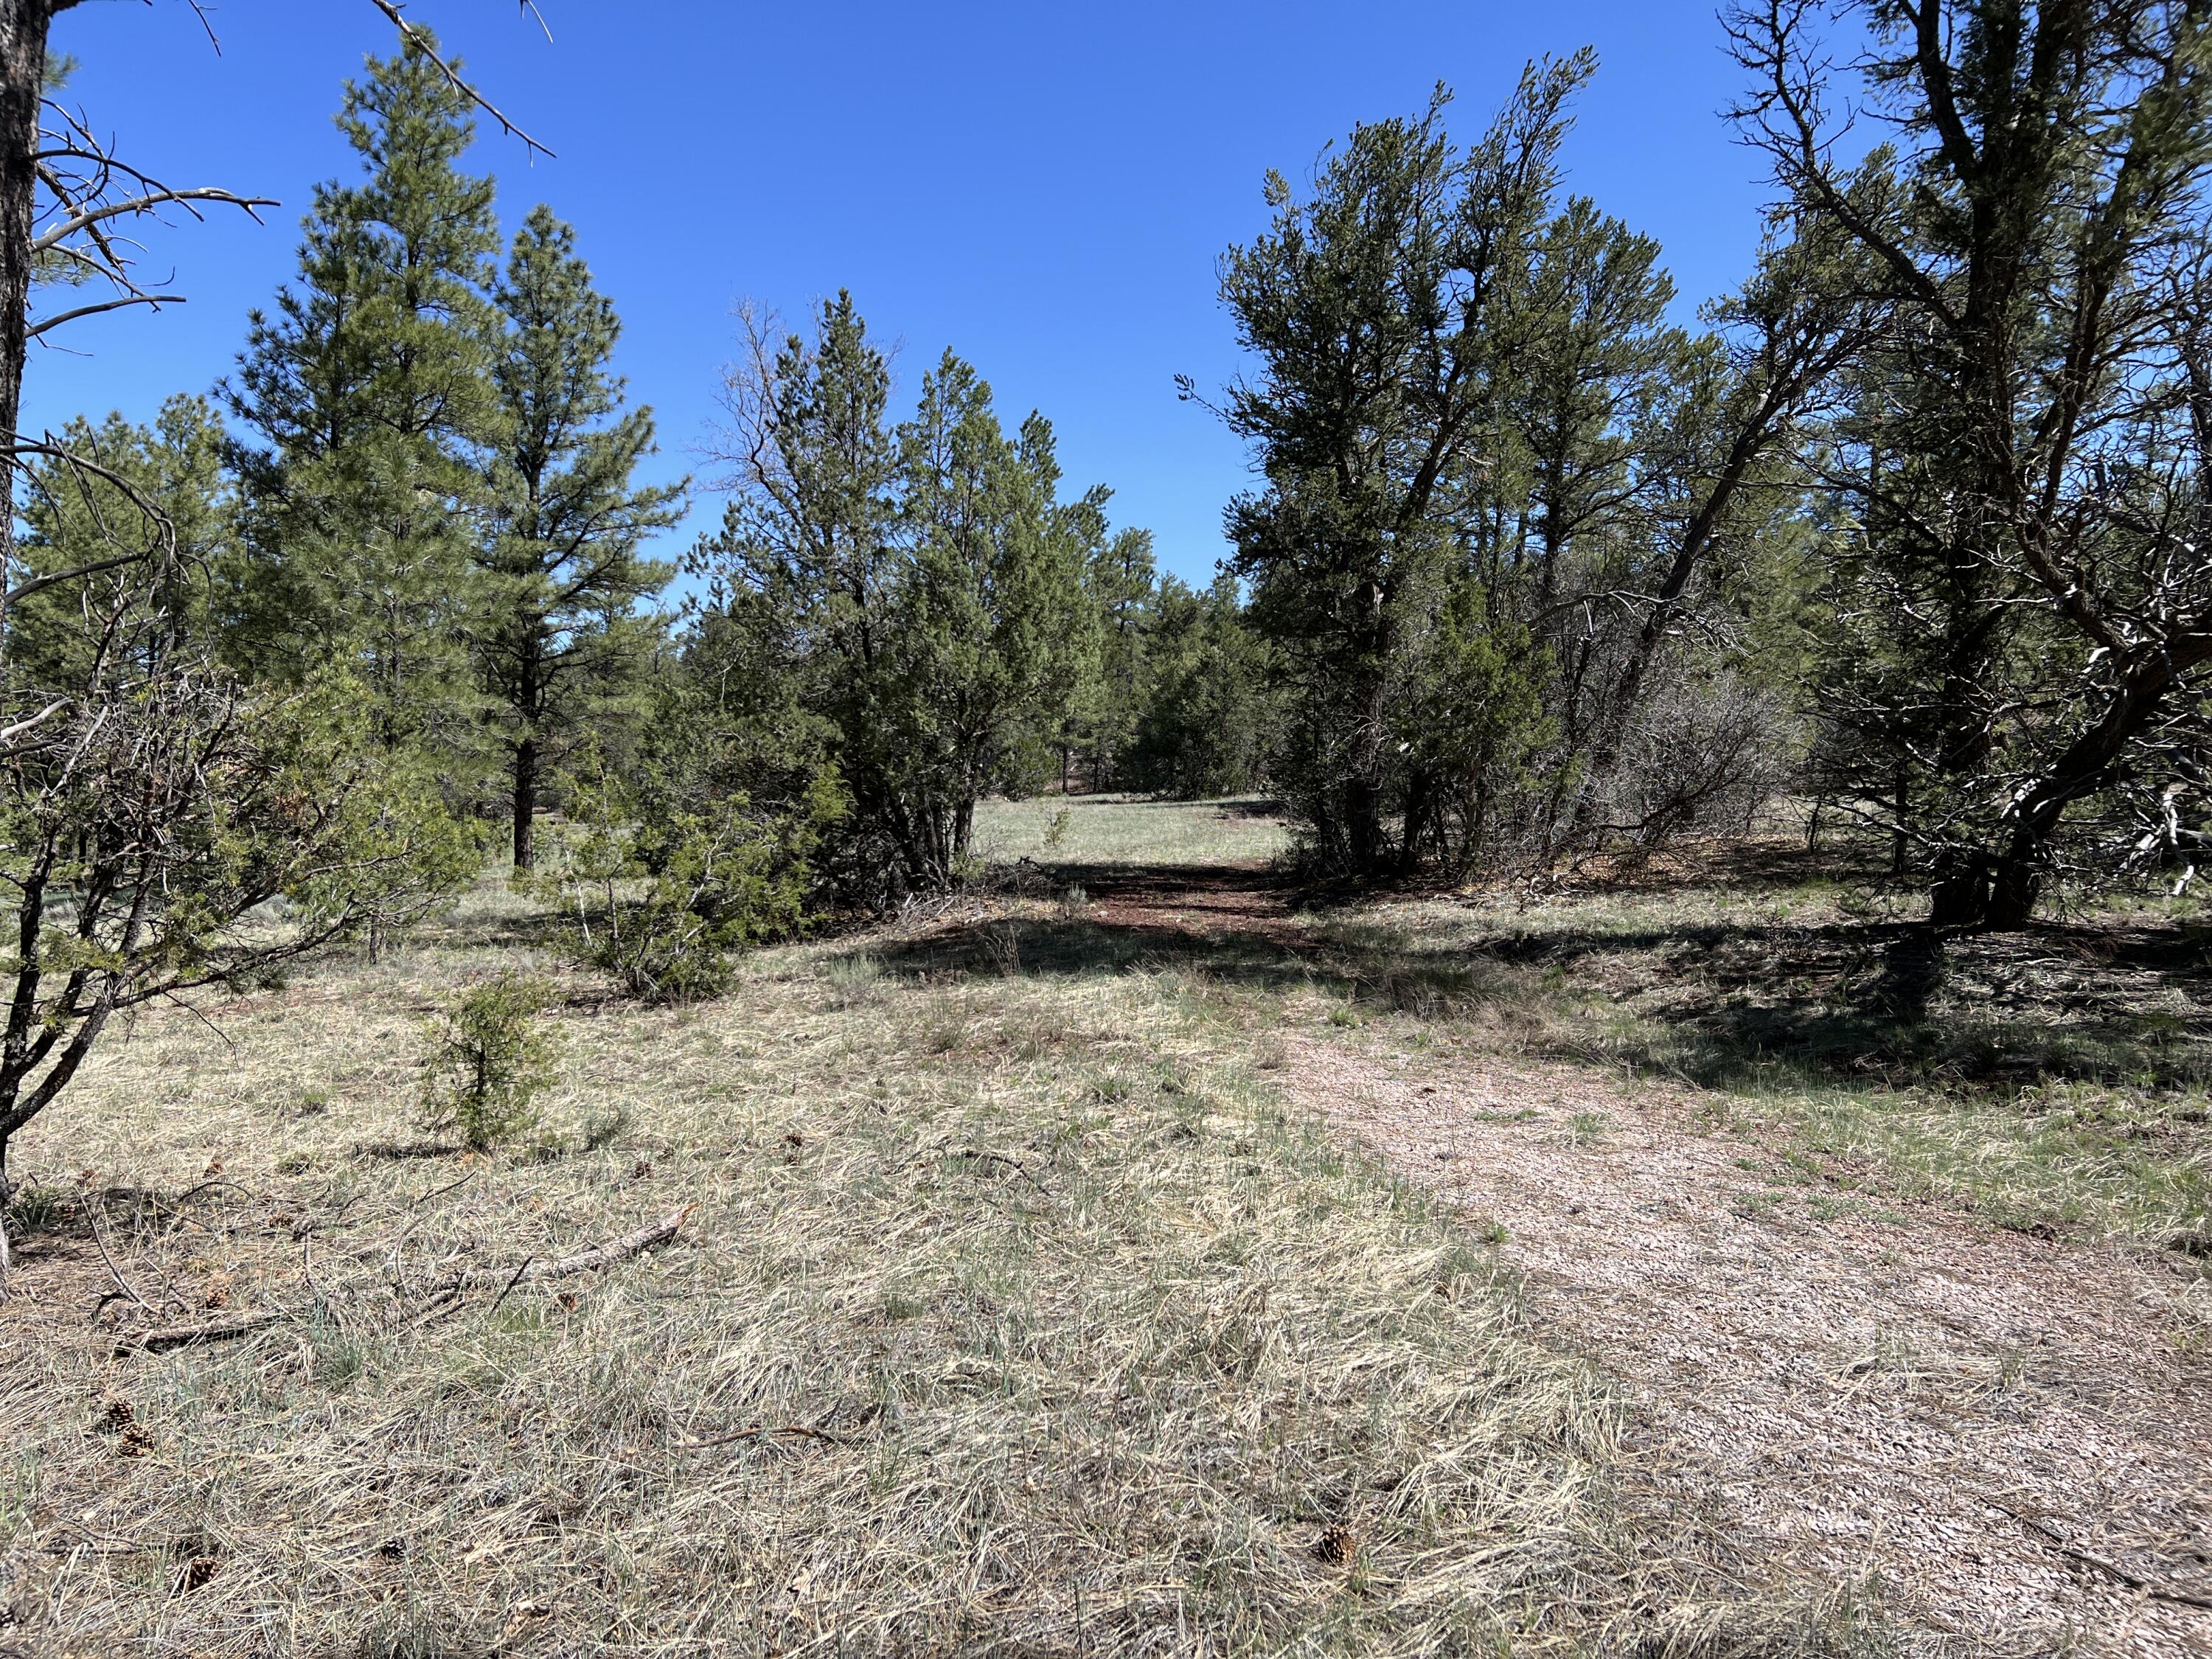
x=1206, y=724
x=370, y=389
x=2018, y=602
x=1514, y=537
x=168, y=498
x=487, y=1059
x=919, y=588
x=560, y=641
x=1120, y=581
x=663, y=896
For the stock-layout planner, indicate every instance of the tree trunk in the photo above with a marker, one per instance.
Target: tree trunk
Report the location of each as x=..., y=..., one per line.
x=2002, y=891
x=23, y=25
x=526, y=803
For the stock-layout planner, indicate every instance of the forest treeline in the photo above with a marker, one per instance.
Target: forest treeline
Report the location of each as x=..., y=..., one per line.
x=1910, y=526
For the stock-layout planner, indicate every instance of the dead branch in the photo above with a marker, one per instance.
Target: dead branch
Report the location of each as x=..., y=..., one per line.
x=585, y=1262
x=417, y=39
x=761, y=1432
x=99, y=1237
x=164, y=1337
x=532, y=1271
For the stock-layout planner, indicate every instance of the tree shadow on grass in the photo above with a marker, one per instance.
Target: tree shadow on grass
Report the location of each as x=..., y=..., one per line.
x=1724, y=1004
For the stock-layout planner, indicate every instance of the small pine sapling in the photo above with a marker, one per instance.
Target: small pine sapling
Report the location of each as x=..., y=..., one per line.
x=487, y=1060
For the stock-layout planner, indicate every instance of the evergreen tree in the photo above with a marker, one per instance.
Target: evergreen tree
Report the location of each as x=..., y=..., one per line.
x=370, y=390
x=1403, y=260
x=1123, y=586
x=77, y=520
x=923, y=585
x=993, y=635
x=560, y=639
x=2024, y=458
x=1205, y=722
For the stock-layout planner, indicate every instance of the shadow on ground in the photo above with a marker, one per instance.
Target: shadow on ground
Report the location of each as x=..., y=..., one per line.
x=1723, y=1003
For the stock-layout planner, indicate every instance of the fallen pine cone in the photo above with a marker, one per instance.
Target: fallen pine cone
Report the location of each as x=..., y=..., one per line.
x=196, y=1573
x=1336, y=1544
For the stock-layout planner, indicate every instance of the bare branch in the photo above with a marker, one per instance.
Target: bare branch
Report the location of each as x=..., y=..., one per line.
x=417, y=39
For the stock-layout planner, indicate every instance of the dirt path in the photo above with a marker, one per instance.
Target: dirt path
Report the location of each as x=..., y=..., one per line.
x=2005, y=1429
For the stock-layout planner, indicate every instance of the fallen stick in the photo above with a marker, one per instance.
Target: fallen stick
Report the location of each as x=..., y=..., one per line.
x=184, y=1336
x=2134, y=1581
x=567, y=1267
x=760, y=1431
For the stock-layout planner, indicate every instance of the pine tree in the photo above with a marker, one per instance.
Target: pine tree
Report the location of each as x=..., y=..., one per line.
x=370, y=390
x=2026, y=448
x=560, y=639
x=923, y=585
x=76, y=518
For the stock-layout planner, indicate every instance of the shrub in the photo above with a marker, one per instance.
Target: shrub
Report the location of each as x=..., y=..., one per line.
x=488, y=1059
x=663, y=897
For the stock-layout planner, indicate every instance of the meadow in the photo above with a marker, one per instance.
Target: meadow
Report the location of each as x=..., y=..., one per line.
x=1033, y=1283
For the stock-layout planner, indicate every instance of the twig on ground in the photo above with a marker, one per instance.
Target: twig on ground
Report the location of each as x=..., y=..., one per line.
x=509, y=1286
x=99, y=1237
x=982, y=1155
x=535, y=1272
x=162, y=1337
x=760, y=1431
x=2134, y=1581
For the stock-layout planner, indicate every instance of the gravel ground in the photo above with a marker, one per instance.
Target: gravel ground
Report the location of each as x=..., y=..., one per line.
x=2014, y=1435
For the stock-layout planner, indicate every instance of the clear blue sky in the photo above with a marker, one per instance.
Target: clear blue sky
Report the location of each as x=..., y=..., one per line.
x=1043, y=187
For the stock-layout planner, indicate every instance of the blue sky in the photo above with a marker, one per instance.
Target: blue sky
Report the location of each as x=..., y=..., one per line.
x=1045, y=188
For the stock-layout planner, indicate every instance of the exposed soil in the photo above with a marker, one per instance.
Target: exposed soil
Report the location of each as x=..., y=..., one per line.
x=2011, y=1436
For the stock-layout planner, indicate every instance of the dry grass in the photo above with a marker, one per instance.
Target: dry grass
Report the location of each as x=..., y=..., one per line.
x=2060, y=1079
x=1130, y=830
x=1011, y=1314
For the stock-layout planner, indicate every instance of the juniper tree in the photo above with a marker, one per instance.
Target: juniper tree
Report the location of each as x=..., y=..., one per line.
x=558, y=633
x=1119, y=578
x=1500, y=486
x=922, y=583
x=2024, y=463
x=994, y=626
x=1371, y=309
x=1204, y=719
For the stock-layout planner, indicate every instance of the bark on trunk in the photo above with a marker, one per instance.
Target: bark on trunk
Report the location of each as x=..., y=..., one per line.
x=2001, y=892
x=526, y=803
x=23, y=25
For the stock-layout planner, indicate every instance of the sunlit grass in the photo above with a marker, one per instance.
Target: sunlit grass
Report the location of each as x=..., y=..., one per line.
x=1009, y=1309
x=1128, y=830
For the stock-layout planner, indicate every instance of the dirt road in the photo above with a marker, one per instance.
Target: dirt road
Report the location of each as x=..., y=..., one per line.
x=2012, y=1435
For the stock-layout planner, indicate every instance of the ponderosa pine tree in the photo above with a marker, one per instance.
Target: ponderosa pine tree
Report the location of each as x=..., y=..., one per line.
x=557, y=630
x=73, y=518
x=370, y=390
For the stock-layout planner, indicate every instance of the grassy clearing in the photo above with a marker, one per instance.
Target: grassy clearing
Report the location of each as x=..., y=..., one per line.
x=1130, y=831
x=1010, y=1314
